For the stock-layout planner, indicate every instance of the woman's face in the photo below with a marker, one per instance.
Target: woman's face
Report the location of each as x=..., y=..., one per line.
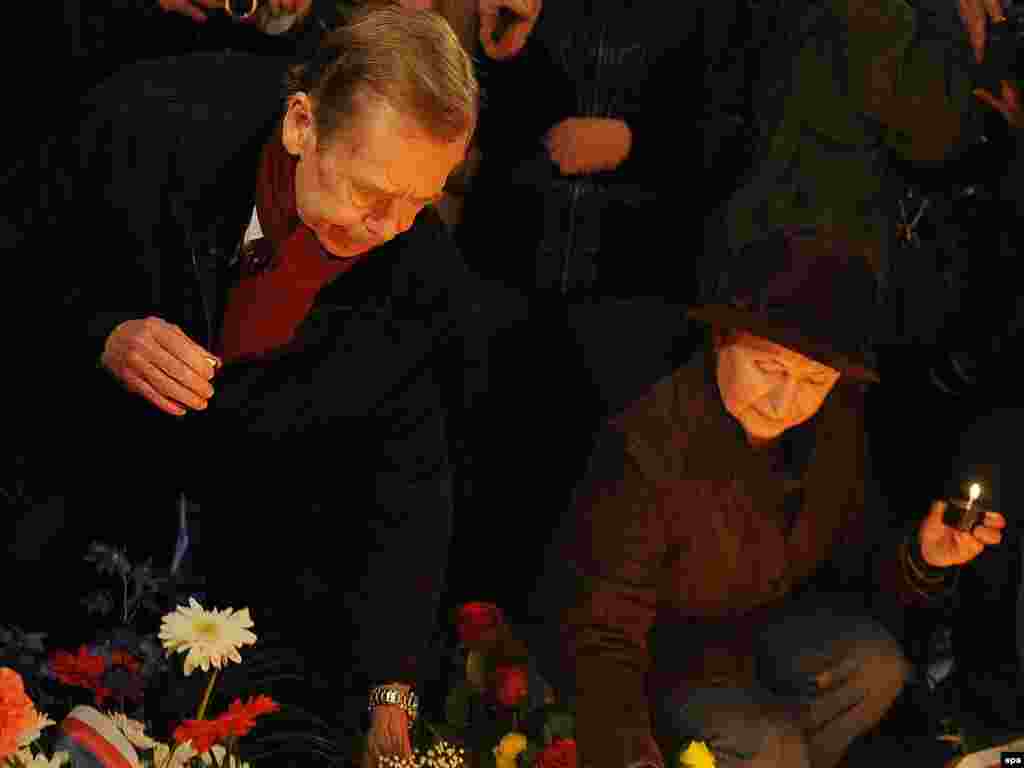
x=767, y=388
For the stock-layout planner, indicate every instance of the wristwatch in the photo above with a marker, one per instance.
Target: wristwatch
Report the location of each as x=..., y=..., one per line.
x=390, y=694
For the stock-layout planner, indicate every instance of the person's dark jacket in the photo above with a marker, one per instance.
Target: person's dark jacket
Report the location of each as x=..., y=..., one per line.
x=142, y=209
x=683, y=542
x=539, y=231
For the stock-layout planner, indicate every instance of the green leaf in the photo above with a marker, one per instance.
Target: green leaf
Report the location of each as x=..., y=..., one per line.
x=458, y=704
x=560, y=724
x=486, y=759
x=528, y=757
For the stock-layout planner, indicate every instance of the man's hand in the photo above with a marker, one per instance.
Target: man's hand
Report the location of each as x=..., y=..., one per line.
x=975, y=14
x=511, y=42
x=588, y=144
x=388, y=735
x=943, y=546
x=191, y=8
x=155, y=359
x=1008, y=106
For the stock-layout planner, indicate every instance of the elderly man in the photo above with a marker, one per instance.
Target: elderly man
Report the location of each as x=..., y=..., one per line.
x=258, y=307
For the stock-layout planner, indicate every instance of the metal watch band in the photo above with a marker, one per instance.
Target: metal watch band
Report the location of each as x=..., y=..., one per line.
x=389, y=694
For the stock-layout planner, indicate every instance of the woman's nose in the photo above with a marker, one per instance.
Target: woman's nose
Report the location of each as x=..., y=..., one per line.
x=781, y=396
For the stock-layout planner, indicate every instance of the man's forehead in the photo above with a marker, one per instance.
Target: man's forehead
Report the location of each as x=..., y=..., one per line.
x=394, y=161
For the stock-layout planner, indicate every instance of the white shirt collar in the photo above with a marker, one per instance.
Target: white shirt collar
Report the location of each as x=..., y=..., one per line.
x=254, y=231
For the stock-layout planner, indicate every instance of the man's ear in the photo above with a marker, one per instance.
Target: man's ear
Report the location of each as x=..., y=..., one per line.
x=298, y=126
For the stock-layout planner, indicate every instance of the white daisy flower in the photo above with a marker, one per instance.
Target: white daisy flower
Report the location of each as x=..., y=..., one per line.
x=209, y=637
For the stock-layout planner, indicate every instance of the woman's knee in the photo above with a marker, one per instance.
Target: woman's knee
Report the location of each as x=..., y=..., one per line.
x=882, y=668
x=824, y=652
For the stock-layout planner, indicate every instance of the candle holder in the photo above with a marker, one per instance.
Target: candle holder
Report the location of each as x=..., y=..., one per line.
x=963, y=514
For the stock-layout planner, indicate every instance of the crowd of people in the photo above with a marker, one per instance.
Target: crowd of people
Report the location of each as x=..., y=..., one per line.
x=384, y=287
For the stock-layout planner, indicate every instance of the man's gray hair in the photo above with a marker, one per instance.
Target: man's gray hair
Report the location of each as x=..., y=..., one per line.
x=411, y=59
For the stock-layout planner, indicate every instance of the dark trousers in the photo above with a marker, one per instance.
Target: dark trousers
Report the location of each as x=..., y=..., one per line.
x=824, y=677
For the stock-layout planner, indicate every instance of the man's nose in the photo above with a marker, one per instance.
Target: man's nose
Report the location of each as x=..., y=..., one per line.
x=395, y=219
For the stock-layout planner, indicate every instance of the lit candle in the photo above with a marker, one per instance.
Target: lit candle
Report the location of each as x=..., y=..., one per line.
x=973, y=494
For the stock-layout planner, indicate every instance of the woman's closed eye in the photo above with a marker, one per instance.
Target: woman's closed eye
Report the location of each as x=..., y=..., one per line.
x=770, y=366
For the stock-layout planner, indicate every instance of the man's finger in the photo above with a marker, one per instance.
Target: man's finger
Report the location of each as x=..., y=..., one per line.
x=973, y=16
x=141, y=386
x=995, y=10
x=181, y=346
x=172, y=389
x=170, y=363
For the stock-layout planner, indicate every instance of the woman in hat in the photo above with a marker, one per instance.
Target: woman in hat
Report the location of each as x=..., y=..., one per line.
x=722, y=569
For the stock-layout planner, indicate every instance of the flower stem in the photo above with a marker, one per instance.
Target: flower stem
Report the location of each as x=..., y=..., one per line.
x=170, y=754
x=206, y=696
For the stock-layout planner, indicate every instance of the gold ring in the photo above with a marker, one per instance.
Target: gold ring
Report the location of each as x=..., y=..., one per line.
x=250, y=12
x=999, y=20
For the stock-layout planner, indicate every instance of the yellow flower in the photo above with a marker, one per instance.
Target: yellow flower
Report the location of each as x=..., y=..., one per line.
x=210, y=637
x=508, y=748
x=697, y=755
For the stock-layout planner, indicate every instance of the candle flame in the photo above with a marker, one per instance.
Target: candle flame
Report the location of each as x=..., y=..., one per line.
x=975, y=491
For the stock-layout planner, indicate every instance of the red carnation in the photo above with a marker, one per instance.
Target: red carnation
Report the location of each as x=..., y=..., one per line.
x=202, y=733
x=560, y=753
x=477, y=623
x=240, y=718
x=237, y=721
x=83, y=670
x=510, y=685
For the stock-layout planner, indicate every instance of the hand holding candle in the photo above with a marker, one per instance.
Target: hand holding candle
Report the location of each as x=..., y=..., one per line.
x=955, y=532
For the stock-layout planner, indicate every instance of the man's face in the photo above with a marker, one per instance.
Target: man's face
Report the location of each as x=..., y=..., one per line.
x=768, y=388
x=368, y=184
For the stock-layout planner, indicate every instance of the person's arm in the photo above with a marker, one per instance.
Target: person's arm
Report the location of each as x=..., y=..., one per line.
x=522, y=97
x=910, y=70
x=609, y=555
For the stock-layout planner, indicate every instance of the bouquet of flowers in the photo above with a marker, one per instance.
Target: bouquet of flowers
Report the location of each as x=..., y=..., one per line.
x=499, y=711
x=125, y=704
x=208, y=638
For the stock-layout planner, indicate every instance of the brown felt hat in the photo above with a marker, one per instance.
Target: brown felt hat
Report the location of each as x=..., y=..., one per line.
x=812, y=294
